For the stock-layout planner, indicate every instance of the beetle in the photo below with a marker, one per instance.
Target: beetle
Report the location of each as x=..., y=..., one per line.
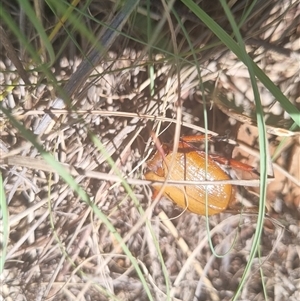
x=189, y=165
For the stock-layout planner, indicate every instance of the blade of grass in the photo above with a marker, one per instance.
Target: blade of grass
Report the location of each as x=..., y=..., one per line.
x=247, y=13
x=239, y=50
x=5, y=16
x=263, y=146
x=62, y=172
x=4, y=224
x=36, y=60
x=12, y=55
x=39, y=28
x=71, y=18
x=236, y=49
x=85, y=68
x=66, y=15
x=262, y=275
x=137, y=204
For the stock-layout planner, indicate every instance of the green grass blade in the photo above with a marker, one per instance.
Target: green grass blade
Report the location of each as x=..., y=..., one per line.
x=137, y=204
x=39, y=28
x=263, y=149
x=5, y=16
x=63, y=173
x=5, y=224
x=236, y=49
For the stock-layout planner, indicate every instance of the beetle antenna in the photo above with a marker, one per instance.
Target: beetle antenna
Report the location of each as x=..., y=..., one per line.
x=158, y=144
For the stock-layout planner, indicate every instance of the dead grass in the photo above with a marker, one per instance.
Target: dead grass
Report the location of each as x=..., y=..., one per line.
x=60, y=250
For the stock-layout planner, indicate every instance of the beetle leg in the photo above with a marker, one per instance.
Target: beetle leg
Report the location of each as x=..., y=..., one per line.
x=159, y=146
x=154, y=194
x=200, y=138
x=187, y=141
x=220, y=159
x=234, y=163
x=196, y=138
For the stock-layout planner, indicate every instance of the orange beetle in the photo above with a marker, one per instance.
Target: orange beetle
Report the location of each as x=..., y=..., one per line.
x=189, y=165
